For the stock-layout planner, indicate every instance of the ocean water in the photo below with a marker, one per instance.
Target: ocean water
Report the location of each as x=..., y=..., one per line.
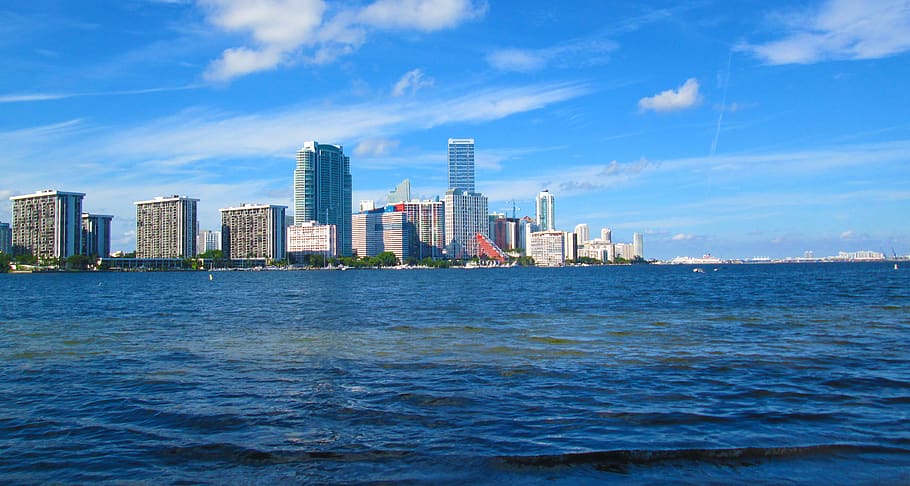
x=640, y=374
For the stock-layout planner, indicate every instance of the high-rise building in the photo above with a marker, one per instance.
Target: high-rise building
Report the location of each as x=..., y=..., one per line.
x=47, y=224
x=254, y=231
x=461, y=164
x=401, y=193
x=570, y=247
x=426, y=228
x=547, y=248
x=546, y=211
x=637, y=246
x=505, y=233
x=583, y=233
x=465, y=216
x=6, y=239
x=378, y=231
x=96, y=235
x=208, y=240
x=322, y=189
x=526, y=226
x=606, y=235
x=166, y=227
x=311, y=238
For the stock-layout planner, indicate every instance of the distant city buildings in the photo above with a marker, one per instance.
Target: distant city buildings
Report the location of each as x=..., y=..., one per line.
x=465, y=217
x=505, y=233
x=96, y=235
x=583, y=233
x=547, y=248
x=166, y=227
x=47, y=224
x=426, y=228
x=208, y=240
x=311, y=238
x=380, y=231
x=546, y=211
x=6, y=239
x=401, y=193
x=322, y=189
x=606, y=235
x=461, y=164
x=253, y=231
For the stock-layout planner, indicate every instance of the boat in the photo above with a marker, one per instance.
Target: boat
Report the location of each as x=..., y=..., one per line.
x=895, y=266
x=698, y=270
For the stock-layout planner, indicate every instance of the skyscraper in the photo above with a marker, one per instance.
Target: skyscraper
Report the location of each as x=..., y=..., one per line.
x=426, y=222
x=96, y=235
x=461, y=164
x=378, y=231
x=253, y=231
x=6, y=238
x=402, y=192
x=546, y=211
x=583, y=233
x=638, y=245
x=606, y=234
x=47, y=224
x=322, y=189
x=465, y=216
x=166, y=227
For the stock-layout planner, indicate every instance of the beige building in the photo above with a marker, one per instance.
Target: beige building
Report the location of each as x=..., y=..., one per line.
x=47, y=224
x=311, y=238
x=254, y=231
x=166, y=227
x=377, y=231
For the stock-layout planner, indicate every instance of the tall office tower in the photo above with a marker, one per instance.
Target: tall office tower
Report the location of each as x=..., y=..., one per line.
x=492, y=218
x=461, y=164
x=637, y=246
x=505, y=233
x=426, y=228
x=402, y=192
x=606, y=235
x=47, y=224
x=166, y=227
x=570, y=246
x=526, y=226
x=253, y=231
x=583, y=233
x=322, y=189
x=208, y=240
x=547, y=248
x=465, y=216
x=546, y=211
x=379, y=230
x=311, y=238
x=96, y=235
x=6, y=239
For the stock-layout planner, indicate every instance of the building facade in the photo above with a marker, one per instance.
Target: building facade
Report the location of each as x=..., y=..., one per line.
x=465, y=217
x=96, y=235
x=253, y=231
x=322, y=189
x=547, y=248
x=570, y=246
x=426, y=228
x=311, y=238
x=6, y=239
x=461, y=164
x=378, y=231
x=606, y=235
x=401, y=193
x=166, y=227
x=546, y=211
x=208, y=240
x=505, y=233
x=638, y=246
x=47, y=224
x=583, y=233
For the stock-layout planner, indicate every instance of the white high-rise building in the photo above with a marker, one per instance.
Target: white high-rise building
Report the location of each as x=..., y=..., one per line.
x=208, y=240
x=546, y=211
x=606, y=235
x=311, y=238
x=461, y=164
x=166, y=227
x=465, y=217
x=583, y=233
x=254, y=231
x=547, y=248
x=637, y=246
x=47, y=224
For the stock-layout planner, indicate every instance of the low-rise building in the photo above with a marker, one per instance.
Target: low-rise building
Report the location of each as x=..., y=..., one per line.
x=311, y=238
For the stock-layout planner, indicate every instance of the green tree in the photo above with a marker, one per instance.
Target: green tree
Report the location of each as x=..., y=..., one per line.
x=26, y=259
x=526, y=261
x=386, y=259
x=77, y=262
x=5, y=260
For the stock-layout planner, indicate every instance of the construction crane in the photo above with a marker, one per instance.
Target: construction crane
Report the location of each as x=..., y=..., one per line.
x=515, y=209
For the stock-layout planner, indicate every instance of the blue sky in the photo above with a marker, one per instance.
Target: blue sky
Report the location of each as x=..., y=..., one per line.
x=746, y=129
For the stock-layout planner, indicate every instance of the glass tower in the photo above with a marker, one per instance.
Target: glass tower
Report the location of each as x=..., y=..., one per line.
x=546, y=211
x=322, y=189
x=461, y=164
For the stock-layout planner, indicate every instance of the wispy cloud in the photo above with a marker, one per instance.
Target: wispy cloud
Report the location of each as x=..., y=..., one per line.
x=313, y=31
x=27, y=97
x=839, y=30
x=576, y=52
x=686, y=96
x=411, y=82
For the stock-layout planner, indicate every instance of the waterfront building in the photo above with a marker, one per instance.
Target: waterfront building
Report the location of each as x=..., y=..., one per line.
x=426, y=228
x=96, y=235
x=209, y=240
x=546, y=211
x=637, y=246
x=598, y=249
x=166, y=227
x=606, y=235
x=6, y=239
x=583, y=233
x=47, y=224
x=526, y=226
x=492, y=218
x=570, y=246
x=380, y=230
x=626, y=251
x=547, y=248
x=311, y=238
x=505, y=233
x=401, y=193
x=254, y=231
x=465, y=217
x=461, y=164
x=322, y=189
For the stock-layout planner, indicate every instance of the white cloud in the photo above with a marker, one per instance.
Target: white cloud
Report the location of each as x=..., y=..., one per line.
x=375, y=147
x=288, y=31
x=847, y=235
x=839, y=30
x=682, y=237
x=686, y=96
x=569, y=54
x=412, y=81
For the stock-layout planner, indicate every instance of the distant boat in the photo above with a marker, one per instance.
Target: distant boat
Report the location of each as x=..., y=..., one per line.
x=210, y=277
x=895, y=266
x=698, y=270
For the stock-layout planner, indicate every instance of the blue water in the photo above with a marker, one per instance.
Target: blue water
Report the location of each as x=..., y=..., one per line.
x=641, y=374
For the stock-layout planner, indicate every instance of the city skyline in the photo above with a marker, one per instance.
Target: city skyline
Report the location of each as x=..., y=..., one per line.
x=764, y=130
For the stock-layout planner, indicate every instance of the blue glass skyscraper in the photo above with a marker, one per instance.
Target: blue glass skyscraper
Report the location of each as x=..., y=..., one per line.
x=461, y=164
x=322, y=189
